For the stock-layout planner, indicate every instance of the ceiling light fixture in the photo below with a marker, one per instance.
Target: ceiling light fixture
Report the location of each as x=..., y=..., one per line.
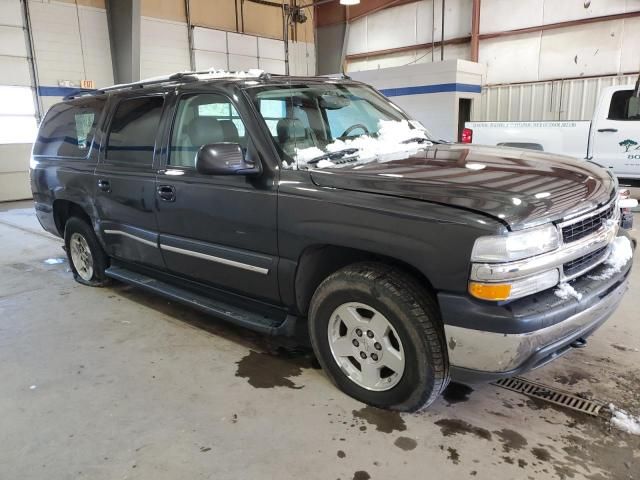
x=349, y=2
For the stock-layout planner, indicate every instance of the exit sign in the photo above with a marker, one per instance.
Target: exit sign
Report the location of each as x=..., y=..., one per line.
x=87, y=84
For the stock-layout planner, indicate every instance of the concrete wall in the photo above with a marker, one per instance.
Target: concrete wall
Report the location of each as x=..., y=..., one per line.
x=330, y=46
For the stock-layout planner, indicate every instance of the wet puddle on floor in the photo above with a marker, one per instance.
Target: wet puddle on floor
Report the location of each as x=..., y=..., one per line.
x=269, y=370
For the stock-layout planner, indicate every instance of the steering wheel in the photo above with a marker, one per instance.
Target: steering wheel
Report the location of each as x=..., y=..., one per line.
x=355, y=127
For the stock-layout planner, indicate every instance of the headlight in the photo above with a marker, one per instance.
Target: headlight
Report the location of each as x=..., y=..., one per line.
x=515, y=245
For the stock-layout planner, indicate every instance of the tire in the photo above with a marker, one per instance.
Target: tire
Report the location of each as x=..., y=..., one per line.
x=414, y=333
x=78, y=233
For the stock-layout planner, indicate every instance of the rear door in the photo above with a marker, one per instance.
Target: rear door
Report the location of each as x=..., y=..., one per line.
x=125, y=180
x=616, y=139
x=217, y=229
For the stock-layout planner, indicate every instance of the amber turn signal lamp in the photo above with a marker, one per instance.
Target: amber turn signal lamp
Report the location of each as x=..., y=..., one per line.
x=490, y=291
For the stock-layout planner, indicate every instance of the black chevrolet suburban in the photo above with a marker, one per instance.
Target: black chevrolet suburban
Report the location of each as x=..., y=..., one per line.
x=285, y=204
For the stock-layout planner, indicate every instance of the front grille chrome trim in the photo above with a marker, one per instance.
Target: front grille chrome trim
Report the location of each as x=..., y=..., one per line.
x=592, y=213
x=602, y=256
x=498, y=272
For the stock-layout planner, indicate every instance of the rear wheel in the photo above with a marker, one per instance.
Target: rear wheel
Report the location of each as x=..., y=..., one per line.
x=377, y=333
x=86, y=256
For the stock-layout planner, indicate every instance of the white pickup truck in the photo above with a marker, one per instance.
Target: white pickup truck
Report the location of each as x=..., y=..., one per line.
x=611, y=139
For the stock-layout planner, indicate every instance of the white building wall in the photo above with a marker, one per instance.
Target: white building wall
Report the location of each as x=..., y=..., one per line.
x=236, y=51
x=164, y=47
x=406, y=25
x=15, y=81
x=71, y=44
x=540, y=60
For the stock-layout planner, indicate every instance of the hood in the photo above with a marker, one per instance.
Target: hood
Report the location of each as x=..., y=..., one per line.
x=522, y=188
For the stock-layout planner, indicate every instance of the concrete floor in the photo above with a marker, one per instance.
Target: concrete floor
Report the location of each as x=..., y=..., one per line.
x=115, y=383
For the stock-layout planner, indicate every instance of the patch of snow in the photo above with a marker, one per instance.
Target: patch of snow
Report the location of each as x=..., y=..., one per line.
x=54, y=261
x=565, y=291
x=213, y=73
x=628, y=203
x=303, y=155
x=386, y=146
x=624, y=421
x=325, y=164
x=621, y=253
x=33, y=387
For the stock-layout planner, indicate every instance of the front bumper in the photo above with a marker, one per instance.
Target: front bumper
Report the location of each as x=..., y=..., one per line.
x=487, y=341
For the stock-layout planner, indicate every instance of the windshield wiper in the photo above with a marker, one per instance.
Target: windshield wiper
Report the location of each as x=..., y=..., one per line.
x=417, y=140
x=333, y=155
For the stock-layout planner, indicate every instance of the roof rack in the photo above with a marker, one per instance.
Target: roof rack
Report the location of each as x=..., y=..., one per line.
x=189, y=76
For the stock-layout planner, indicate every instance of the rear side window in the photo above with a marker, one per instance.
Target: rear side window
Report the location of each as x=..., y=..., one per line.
x=132, y=135
x=624, y=106
x=68, y=129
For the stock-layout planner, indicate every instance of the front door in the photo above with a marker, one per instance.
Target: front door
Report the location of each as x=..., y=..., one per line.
x=617, y=137
x=125, y=179
x=216, y=229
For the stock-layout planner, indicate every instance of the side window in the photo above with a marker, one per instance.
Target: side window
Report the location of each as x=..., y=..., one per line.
x=132, y=133
x=273, y=110
x=288, y=121
x=68, y=128
x=202, y=119
x=624, y=106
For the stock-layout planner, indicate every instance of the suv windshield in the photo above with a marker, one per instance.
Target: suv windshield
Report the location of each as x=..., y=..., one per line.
x=335, y=124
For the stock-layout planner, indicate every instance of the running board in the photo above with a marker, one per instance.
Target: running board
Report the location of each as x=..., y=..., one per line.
x=226, y=311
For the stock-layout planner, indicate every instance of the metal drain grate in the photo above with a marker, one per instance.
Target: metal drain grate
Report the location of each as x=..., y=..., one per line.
x=549, y=394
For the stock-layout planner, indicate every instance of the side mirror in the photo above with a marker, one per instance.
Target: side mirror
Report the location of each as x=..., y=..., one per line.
x=224, y=159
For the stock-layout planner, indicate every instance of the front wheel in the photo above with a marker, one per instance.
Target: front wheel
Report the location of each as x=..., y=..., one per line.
x=377, y=334
x=87, y=259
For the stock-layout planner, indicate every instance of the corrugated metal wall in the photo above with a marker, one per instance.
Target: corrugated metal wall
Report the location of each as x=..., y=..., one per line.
x=554, y=100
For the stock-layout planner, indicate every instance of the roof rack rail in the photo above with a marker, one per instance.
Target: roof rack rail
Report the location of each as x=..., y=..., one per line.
x=79, y=92
x=188, y=76
x=174, y=77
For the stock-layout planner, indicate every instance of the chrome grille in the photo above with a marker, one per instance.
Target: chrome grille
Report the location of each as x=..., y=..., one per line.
x=581, y=264
x=586, y=226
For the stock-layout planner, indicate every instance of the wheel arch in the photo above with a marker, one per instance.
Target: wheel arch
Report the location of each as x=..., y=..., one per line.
x=63, y=210
x=317, y=262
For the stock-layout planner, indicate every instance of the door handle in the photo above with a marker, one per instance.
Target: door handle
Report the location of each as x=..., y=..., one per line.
x=167, y=193
x=610, y=130
x=104, y=185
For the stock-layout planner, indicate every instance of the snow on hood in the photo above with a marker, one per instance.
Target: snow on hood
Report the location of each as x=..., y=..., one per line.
x=386, y=146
